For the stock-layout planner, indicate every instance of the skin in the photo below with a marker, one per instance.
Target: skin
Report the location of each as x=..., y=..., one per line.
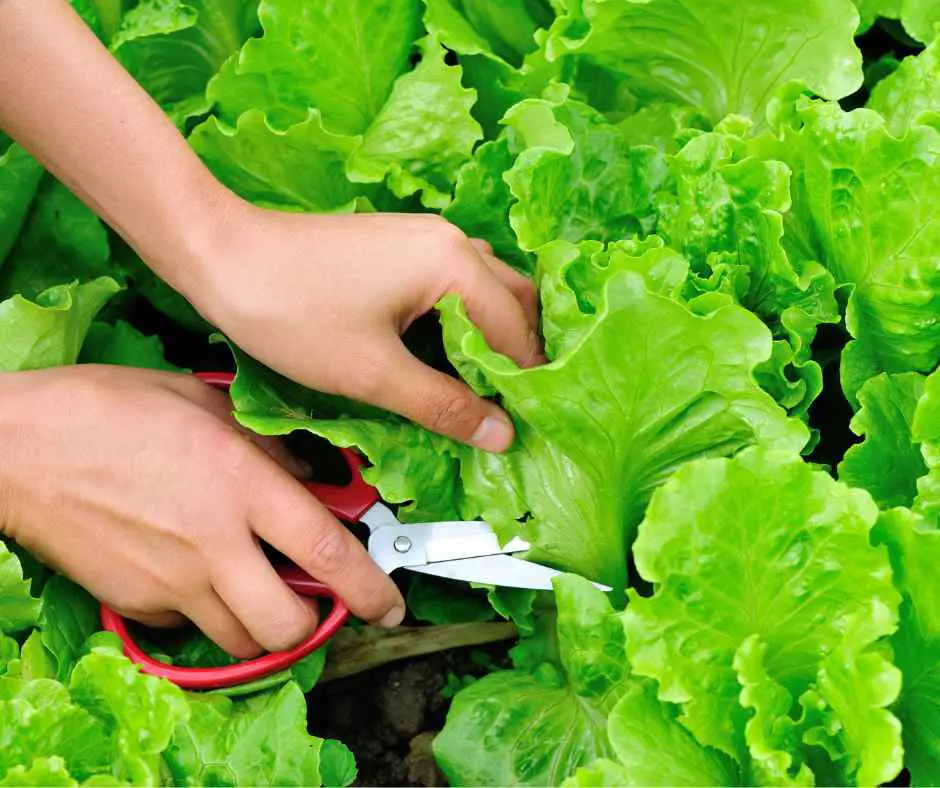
x=159, y=499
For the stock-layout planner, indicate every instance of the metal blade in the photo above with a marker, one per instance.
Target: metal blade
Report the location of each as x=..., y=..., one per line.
x=396, y=546
x=496, y=570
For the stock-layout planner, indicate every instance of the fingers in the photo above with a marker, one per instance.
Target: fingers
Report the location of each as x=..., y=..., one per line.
x=168, y=620
x=440, y=403
x=520, y=286
x=493, y=307
x=291, y=520
x=272, y=615
x=219, y=624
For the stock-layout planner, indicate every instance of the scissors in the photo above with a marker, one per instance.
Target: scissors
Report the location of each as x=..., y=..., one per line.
x=465, y=550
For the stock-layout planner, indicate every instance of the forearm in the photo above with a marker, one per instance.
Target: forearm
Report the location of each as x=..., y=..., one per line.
x=72, y=105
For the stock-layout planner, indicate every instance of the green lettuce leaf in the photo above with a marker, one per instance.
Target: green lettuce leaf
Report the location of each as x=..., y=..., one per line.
x=302, y=168
x=536, y=728
x=422, y=135
x=62, y=240
x=49, y=331
x=43, y=771
x=576, y=177
x=482, y=201
x=20, y=174
x=174, y=47
x=70, y=615
x=18, y=608
x=258, y=741
x=341, y=59
x=926, y=431
x=858, y=207
x=915, y=550
x=888, y=462
x=719, y=56
x=726, y=216
x=653, y=749
x=794, y=547
x=920, y=18
x=123, y=344
x=911, y=95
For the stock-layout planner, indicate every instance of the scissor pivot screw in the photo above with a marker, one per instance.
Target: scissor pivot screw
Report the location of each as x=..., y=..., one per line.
x=402, y=544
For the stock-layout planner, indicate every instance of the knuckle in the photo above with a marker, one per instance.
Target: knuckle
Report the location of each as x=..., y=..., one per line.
x=328, y=552
x=286, y=632
x=451, y=412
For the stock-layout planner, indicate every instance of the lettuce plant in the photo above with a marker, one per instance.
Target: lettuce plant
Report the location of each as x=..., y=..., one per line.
x=738, y=427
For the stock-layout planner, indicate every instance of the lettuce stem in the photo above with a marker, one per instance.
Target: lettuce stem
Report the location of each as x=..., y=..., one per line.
x=356, y=651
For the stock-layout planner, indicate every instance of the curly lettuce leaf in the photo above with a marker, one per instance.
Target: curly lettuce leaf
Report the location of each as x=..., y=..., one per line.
x=482, y=201
x=794, y=546
x=18, y=608
x=911, y=95
x=422, y=135
x=859, y=207
x=257, y=741
x=174, y=47
x=720, y=57
x=653, y=749
x=726, y=215
x=575, y=176
x=302, y=168
x=632, y=436
x=341, y=59
x=20, y=175
x=889, y=461
x=49, y=331
x=926, y=431
x=123, y=344
x=535, y=728
x=915, y=550
x=62, y=240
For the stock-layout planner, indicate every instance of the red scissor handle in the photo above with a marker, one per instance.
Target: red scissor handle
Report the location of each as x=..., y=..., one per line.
x=347, y=503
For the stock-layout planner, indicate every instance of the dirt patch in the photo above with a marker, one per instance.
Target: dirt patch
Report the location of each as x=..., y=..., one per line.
x=389, y=716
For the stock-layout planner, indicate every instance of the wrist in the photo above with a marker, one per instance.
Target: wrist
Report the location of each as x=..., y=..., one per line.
x=191, y=246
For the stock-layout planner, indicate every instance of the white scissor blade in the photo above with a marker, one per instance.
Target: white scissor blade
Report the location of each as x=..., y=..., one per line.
x=493, y=570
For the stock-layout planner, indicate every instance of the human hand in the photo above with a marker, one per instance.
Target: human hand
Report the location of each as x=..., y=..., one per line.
x=324, y=300
x=139, y=486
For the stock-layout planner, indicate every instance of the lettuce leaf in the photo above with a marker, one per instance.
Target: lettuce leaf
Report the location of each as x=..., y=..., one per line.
x=341, y=59
x=888, y=462
x=20, y=175
x=719, y=57
x=18, y=608
x=535, y=728
x=49, y=331
x=858, y=208
x=915, y=548
x=910, y=96
x=794, y=547
x=174, y=47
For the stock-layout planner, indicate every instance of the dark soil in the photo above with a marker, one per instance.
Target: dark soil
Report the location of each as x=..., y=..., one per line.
x=389, y=716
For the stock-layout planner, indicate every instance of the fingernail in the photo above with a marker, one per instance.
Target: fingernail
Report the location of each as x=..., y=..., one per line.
x=494, y=434
x=392, y=618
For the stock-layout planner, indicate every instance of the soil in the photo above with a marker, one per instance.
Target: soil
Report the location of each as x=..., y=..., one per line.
x=389, y=716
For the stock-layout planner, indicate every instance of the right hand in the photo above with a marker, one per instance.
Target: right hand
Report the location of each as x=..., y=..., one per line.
x=139, y=486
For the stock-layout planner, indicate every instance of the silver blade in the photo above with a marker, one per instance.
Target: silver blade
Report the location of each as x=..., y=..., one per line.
x=494, y=570
x=396, y=546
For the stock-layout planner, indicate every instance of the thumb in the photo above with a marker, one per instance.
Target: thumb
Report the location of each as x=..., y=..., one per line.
x=441, y=404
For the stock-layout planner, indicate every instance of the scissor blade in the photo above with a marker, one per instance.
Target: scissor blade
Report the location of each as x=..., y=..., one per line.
x=495, y=570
